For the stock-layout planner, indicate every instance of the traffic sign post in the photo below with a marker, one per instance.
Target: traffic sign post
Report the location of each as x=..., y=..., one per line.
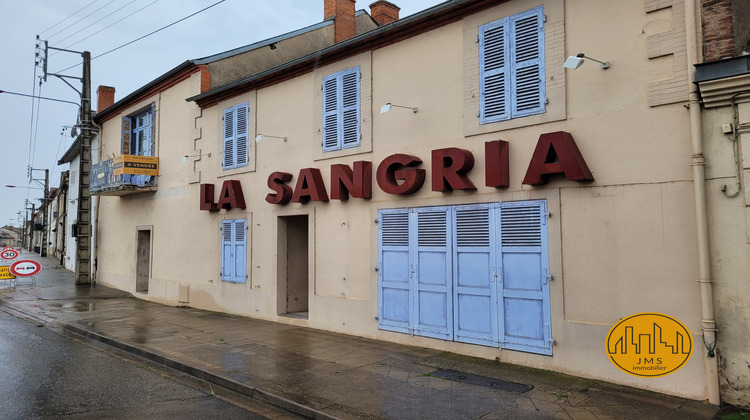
x=26, y=268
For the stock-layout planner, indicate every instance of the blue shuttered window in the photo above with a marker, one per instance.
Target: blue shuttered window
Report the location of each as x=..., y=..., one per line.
x=341, y=110
x=235, y=136
x=234, y=250
x=511, y=67
x=475, y=274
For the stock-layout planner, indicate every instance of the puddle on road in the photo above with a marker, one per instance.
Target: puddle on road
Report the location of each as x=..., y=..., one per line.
x=74, y=306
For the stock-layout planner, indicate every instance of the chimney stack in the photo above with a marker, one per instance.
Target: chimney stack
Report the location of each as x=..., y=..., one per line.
x=105, y=97
x=343, y=12
x=384, y=12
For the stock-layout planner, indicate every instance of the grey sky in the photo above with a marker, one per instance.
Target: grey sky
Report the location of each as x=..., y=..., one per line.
x=38, y=142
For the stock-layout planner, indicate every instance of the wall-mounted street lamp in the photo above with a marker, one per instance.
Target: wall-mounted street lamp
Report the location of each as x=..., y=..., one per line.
x=185, y=158
x=387, y=107
x=573, y=62
x=262, y=136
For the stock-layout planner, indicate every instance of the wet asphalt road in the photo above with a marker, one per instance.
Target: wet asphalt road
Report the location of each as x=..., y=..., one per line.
x=44, y=375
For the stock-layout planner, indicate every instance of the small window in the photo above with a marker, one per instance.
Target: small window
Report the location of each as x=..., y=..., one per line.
x=341, y=110
x=235, y=136
x=138, y=133
x=234, y=250
x=511, y=67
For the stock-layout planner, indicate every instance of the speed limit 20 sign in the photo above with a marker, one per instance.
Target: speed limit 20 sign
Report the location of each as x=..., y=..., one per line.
x=25, y=268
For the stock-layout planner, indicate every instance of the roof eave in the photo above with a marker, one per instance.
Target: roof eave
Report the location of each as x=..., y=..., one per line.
x=436, y=16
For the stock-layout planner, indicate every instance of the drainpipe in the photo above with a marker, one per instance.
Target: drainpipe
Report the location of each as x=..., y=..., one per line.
x=708, y=323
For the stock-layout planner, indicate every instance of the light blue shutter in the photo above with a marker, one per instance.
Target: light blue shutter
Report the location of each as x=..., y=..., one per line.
x=331, y=113
x=475, y=277
x=527, y=62
x=239, y=251
x=234, y=250
x=394, y=270
x=228, y=134
x=525, y=321
x=432, y=260
x=227, y=260
x=350, y=107
x=240, y=139
x=494, y=99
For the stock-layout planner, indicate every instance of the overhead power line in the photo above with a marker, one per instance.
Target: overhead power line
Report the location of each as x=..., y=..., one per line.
x=111, y=25
x=63, y=29
x=97, y=21
x=145, y=36
x=76, y=12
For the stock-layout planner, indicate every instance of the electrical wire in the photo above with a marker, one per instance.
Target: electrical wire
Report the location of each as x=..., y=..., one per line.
x=65, y=28
x=110, y=25
x=68, y=17
x=57, y=155
x=31, y=123
x=96, y=21
x=144, y=36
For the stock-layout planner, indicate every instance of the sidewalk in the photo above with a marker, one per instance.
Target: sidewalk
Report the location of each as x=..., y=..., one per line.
x=319, y=374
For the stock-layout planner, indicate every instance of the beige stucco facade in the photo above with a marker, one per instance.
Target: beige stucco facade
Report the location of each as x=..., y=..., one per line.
x=622, y=244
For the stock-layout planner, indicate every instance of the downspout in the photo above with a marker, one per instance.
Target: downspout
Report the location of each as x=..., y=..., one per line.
x=708, y=323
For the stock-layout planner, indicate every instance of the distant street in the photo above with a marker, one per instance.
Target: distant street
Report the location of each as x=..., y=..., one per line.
x=46, y=375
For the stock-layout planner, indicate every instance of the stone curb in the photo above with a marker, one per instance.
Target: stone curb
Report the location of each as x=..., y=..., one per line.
x=218, y=380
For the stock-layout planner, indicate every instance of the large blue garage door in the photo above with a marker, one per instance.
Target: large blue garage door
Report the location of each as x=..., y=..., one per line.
x=475, y=274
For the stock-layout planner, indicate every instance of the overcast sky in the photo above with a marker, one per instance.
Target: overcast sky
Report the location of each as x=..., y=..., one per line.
x=40, y=140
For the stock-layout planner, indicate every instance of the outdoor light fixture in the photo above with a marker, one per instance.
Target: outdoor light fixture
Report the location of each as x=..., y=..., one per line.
x=185, y=158
x=262, y=136
x=573, y=62
x=387, y=107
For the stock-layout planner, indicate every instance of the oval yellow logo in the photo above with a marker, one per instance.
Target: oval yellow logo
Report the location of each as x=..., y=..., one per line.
x=649, y=344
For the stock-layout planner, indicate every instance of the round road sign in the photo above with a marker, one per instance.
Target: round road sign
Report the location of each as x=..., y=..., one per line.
x=25, y=268
x=9, y=254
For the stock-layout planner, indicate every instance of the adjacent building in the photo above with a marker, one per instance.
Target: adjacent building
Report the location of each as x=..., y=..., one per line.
x=454, y=180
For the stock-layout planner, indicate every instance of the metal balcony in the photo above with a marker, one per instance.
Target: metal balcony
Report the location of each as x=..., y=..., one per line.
x=124, y=175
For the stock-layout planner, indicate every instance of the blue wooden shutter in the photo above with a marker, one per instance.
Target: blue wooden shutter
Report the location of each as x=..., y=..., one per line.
x=331, y=113
x=394, y=270
x=240, y=139
x=227, y=260
x=229, y=135
x=525, y=321
x=350, y=108
x=494, y=98
x=432, y=260
x=475, y=276
x=234, y=250
x=239, y=251
x=527, y=62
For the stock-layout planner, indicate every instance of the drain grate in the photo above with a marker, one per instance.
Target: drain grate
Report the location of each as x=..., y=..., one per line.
x=468, y=378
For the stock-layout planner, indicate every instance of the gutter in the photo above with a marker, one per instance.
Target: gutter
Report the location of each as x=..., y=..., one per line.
x=698, y=162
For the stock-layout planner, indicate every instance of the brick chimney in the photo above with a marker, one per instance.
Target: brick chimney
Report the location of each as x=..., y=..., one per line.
x=105, y=97
x=343, y=12
x=718, y=30
x=384, y=12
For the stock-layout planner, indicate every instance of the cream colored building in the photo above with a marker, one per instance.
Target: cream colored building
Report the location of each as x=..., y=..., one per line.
x=396, y=220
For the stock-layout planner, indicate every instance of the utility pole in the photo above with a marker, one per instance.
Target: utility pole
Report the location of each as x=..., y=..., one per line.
x=83, y=242
x=84, y=231
x=45, y=208
x=31, y=230
x=45, y=224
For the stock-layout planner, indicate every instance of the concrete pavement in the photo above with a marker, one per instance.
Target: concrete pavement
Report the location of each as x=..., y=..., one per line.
x=318, y=374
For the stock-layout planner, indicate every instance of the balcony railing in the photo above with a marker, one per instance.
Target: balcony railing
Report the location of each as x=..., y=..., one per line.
x=125, y=174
